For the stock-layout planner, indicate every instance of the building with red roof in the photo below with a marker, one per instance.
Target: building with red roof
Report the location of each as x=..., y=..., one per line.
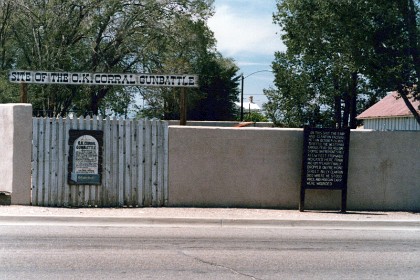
x=390, y=113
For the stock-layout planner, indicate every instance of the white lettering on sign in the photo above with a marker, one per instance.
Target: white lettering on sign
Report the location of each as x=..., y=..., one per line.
x=325, y=157
x=162, y=80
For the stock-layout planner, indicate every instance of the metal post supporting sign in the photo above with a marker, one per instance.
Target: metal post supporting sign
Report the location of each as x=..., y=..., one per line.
x=325, y=162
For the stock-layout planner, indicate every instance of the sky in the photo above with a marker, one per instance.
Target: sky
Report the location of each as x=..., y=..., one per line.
x=244, y=31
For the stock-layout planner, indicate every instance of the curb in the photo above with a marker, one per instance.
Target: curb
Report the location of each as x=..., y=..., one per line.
x=210, y=222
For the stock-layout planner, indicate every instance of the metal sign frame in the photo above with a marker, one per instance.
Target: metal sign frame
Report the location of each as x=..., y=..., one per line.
x=82, y=178
x=325, y=162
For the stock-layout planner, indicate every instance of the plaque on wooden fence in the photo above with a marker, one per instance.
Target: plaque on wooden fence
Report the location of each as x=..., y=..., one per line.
x=325, y=161
x=85, y=157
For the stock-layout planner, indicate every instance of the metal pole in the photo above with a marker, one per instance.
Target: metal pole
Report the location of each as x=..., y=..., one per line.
x=183, y=107
x=242, y=98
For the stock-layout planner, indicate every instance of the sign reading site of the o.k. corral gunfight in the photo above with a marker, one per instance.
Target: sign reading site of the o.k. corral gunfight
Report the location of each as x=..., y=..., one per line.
x=325, y=161
x=85, y=157
x=128, y=79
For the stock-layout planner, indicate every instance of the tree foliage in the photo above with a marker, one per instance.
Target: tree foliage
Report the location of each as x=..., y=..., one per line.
x=341, y=57
x=7, y=52
x=218, y=91
x=111, y=36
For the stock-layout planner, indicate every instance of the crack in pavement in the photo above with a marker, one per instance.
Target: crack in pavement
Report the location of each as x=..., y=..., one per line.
x=219, y=265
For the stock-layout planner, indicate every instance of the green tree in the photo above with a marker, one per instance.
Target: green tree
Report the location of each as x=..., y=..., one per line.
x=395, y=62
x=8, y=92
x=297, y=100
x=254, y=117
x=335, y=47
x=214, y=99
x=218, y=90
x=105, y=36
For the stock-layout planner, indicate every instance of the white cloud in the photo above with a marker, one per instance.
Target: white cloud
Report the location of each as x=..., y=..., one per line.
x=249, y=33
x=249, y=63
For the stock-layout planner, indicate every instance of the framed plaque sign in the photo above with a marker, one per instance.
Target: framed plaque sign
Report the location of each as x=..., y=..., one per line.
x=85, y=157
x=325, y=161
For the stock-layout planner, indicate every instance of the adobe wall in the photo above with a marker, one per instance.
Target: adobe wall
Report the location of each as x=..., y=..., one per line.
x=15, y=151
x=260, y=167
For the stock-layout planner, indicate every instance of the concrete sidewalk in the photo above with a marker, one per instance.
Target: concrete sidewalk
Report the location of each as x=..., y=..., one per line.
x=207, y=216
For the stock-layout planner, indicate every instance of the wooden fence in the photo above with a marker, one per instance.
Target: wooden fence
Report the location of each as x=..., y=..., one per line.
x=134, y=163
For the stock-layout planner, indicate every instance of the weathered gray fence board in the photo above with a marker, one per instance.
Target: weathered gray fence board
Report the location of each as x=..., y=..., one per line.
x=140, y=160
x=134, y=163
x=106, y=163
x=67, y=190
x=147, y=166
x=133, y=167
x=41, y=162
x=165, y=163
x=53, y=189
x=154, y=165
x=60, y=171
x=114, y=178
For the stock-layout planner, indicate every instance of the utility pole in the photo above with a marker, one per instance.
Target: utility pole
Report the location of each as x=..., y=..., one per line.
x=242, y=90
x=242, y=98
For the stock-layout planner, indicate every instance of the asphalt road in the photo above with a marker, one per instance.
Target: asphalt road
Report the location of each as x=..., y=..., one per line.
x=49, y=251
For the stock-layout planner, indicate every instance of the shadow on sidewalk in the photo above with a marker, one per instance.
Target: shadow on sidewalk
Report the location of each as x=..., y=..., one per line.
x=347, y=213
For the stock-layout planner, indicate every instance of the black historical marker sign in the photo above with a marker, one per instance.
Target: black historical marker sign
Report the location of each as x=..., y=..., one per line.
x=325, y=161
x=85, y=157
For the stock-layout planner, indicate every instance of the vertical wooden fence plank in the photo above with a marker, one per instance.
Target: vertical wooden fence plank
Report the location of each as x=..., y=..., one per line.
x=47, y=151
x=60, y=164
x=160, y=163
x=120, y=162
x=85, y=189
x=166, y=162
x=74, y=190
x=41, y=141
x=114, y=160
x=127, y=162
x=35, y=160
x=148, y=164
x=133, y=169
x=67, y=188
x=140, y=163
x=81, y=188
x=106, y=163
x=154, y=150
x=98, y=124
x=92, y=188
x=53, y=164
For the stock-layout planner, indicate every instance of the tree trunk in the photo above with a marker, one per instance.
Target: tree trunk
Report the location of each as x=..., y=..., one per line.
x=23, y=93
x=346, y=112
x=410, y=105
x=96, y=96
x=409, y=14
x=353, y=101
x=411, y=21
x=183, y=107
x=337, y=105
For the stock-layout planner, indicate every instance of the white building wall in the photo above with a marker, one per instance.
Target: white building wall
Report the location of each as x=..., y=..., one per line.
x=387, y=124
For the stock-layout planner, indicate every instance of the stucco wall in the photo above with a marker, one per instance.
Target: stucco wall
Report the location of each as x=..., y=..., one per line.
x=260, y=167
x=15, y=151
